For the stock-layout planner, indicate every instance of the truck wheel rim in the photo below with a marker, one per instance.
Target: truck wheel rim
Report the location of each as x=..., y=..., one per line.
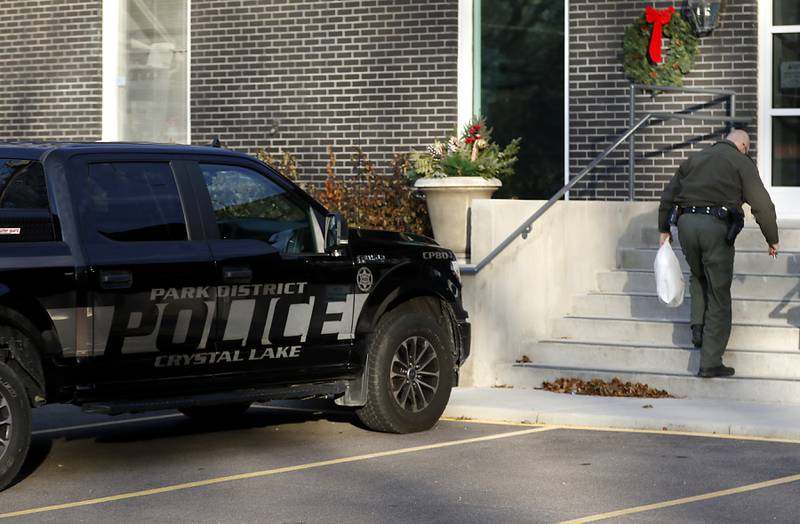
x=6, y=421
x=414, y=374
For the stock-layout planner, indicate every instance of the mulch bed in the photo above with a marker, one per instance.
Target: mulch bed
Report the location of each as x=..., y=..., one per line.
x=601, y=388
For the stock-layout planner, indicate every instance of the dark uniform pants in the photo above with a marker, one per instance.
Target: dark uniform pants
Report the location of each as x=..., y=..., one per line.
x=710, y=260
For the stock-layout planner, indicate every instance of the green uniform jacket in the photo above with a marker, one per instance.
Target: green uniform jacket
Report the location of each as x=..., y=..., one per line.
x=720, y=175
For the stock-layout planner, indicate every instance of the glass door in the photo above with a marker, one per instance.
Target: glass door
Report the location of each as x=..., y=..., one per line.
x=779, y=87
x=519, y=87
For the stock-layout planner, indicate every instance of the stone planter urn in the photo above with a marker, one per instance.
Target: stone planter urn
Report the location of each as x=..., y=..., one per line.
x=449, y=200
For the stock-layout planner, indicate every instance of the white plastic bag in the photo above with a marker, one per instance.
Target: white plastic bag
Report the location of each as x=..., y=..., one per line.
x=669, y=278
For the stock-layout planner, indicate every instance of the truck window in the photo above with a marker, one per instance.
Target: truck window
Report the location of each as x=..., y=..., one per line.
x=24, y=209
x=248, y=205
x=22, y=185
x=135, y=201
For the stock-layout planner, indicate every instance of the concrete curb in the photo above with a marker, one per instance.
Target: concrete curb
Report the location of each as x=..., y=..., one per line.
x=721, y=417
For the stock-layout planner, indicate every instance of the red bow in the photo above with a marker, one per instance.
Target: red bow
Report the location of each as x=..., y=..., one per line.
x=658, y=19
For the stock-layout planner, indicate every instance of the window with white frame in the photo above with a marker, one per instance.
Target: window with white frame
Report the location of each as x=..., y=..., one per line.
x=784, y=108
x=146, y=78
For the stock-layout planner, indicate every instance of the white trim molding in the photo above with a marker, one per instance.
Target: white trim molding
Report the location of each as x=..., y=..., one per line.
x=765, y=90
x=188, y=71
x=465, y=61
x=110, y=125
x=566, y=95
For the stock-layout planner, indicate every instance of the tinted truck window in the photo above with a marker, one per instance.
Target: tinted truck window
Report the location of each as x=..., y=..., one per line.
x=249, y=205
x=22, y=185
x=24, y=209
x=135, y=202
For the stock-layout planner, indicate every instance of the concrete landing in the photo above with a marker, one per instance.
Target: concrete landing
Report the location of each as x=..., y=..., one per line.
x=723, y=417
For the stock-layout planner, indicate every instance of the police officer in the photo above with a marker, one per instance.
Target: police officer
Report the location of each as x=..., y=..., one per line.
x=706, y=195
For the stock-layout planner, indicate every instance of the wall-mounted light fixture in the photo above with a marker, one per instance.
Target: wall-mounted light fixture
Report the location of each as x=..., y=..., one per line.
x=702, y=15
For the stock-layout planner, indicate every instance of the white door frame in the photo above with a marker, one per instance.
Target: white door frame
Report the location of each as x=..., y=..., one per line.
x=465, y=65
x=787, y=199
x=466, y=72
x=110, y=70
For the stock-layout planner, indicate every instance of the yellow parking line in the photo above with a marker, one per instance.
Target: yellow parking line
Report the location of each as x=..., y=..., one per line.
x=686, y=500
x=270, y=472
x=777, y=440
x=495, y=422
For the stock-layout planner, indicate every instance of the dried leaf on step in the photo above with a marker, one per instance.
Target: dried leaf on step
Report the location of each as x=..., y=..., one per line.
x=600, y=388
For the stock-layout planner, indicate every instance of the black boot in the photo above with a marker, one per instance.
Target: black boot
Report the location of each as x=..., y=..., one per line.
x=719, y=371
x=697, y=335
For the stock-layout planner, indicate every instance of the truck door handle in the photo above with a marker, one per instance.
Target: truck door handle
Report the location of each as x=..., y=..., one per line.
x=237, y=275
x=116, y=279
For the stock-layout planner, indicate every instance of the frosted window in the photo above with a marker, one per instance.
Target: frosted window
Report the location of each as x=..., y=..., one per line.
x=152, y=76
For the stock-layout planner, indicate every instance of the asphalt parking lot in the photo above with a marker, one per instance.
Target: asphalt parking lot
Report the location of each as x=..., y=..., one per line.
x=279, y=464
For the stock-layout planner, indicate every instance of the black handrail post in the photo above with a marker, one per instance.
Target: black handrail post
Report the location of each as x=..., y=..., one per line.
x=632, y=145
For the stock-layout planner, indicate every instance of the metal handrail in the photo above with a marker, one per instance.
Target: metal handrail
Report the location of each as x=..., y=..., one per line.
x=676, y=89
x=525, y=228
x=654, y=90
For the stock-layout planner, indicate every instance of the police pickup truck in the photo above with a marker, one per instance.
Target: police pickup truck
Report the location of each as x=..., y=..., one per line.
x=139, y=277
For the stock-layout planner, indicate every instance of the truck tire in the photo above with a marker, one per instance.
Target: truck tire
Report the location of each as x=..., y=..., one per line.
x=410, y=373
x=216, y=414
x=15, y=425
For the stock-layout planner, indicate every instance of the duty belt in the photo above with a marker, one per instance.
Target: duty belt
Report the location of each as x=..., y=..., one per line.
x=704, y=210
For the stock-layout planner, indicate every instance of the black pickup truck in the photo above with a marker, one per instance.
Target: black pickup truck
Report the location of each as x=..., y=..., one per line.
x=138, y=277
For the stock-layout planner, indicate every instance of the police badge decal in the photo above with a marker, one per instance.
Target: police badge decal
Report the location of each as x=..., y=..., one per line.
x=364, y=279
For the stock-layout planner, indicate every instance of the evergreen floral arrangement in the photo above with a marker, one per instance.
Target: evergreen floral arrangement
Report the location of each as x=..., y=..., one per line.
x=472, y=153
x=643, y=65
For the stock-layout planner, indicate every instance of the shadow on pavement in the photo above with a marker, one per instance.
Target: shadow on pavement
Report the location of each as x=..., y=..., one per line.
x=254, y=418
x=180, y=426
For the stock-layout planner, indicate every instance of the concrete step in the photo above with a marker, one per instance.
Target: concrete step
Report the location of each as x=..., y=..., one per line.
x=739, y=387
x=787, y=263
x=668, y=333
x=647, y=306
x=656, y=359
x=749, y=239
x=753, y=285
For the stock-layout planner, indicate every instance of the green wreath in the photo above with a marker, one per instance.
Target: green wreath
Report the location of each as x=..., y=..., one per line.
x=677, y=62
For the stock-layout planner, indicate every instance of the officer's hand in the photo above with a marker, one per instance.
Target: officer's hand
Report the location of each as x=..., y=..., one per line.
x=773, y=250
x=663, y=238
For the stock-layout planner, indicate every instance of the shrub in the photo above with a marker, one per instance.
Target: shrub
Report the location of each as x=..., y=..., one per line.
x=365, y=198
x=286, y=164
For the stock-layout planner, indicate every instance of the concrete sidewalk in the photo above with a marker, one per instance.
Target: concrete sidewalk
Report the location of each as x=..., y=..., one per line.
x=722, y=417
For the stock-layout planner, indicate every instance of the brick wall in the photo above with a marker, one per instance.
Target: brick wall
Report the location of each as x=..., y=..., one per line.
x=302, y=75
x=51, y=70
x=599, y=95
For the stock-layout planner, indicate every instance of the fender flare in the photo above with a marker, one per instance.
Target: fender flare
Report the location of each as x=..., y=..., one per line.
x=399, y=285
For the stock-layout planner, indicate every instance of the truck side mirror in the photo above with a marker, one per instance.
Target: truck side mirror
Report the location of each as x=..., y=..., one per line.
x=335, y=232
